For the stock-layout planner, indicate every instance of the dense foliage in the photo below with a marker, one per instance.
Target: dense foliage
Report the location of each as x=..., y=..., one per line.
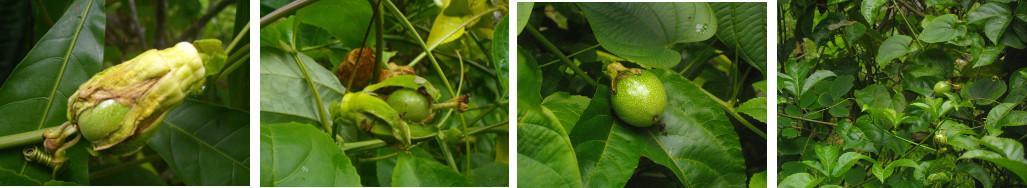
x=880, y=93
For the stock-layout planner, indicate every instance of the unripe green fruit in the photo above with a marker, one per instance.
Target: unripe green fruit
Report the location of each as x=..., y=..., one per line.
x=940, y=140
x=639, y=99
x=411, y=105
x=99, y=122
x=942, y=87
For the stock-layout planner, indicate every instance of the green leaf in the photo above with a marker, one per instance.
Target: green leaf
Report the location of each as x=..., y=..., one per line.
x=545, y=157
x=285, y=95
x=941, y=29
x=1021, y=11
x=296, y=154
x=894, y=47
x=421, y=172
x=35, y=96
x=988, y=55
x=491, y=175
x=1017, y=166
x=449, y=25
x=874, y=96
x=344, y=19
x=606, y=148
x=814, y=78
x=642, y=32
x=695, y=132
x=869, y=8
x=883, y=173
x=755, y=107
x=131, y=176
x=743, y=28
x=566, y=107
x=995, y=17
x=804, y=180
x=1017, y=86
x=758, y=180
x=845, y=162
x=985, y=91
x=204, y=142
x=529, y=82
x=523, y=14
x=12, y=178
x=500, y=51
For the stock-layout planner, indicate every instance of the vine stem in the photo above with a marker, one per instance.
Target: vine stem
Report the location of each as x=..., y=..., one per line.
x=572, y=55
x=21, y=139
x=377, y=143
x=283, y=11
x=731, y=110
x=413, y=33
x=809, y=120
x=552, y=48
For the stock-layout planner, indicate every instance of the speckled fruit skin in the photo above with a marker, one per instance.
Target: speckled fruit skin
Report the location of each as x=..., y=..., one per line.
x=411, y=105
x=97, y=123
x=639, y=99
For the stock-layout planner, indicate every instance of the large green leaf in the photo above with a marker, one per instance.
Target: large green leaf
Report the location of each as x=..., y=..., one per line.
x=607, y=149
x=523, y=14
x=413, y=171
x=743, y=26
x=500, y=52
x=35, y=96
x=204, y=142
x=285, y=95
x=131, y=176
x=566, y=107
x=643, y=32
x=985, y=91
x=296, y=154
x=695, y=134
x=894, y=47
x=1009, y=156
x=994, y=16
x=345, y=20
x=943, y=28
x=545, y=157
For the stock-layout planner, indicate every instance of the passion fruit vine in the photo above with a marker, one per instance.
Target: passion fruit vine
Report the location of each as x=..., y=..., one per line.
x=638, y=96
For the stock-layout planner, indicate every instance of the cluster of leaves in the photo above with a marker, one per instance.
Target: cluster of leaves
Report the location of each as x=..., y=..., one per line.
x=197, y=144
x=858, y=101
x=458, y=46
x=572, y=138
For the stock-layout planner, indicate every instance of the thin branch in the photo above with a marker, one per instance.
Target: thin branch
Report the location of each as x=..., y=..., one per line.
x=160, y=38
x=140, y=31
x=808, y=120
x=191, y=33
x=552, y=48
x=283, y=11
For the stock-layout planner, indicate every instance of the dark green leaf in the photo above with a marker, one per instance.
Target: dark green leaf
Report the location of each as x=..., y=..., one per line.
x=204, y=143
x=491, y=175
x=344, y=20
x=131, y=176
x=894, y=47
x=985, y=91
x=296, y=154
x=607, y=149
x=869, y=8
x=941, y=29
x=35, y=96
x=642, y=32
x=742, y=26
x=694, y=133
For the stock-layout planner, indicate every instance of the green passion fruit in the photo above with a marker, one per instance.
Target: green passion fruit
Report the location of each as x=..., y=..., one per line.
x=411, y=105
x=99, y=122
x=638, y=98
x=942, y=87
